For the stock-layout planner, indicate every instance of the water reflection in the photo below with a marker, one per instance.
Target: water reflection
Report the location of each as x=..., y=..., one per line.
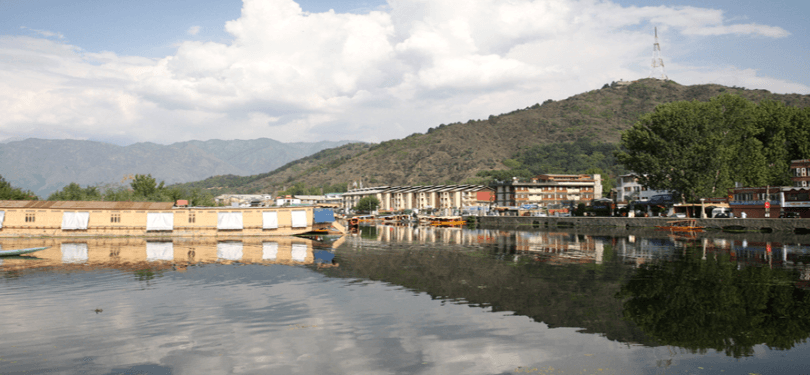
x=696, y=293
x=407, y=300
x=128, y=253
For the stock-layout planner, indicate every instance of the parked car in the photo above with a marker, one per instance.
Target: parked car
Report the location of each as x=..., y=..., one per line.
x=790, y=215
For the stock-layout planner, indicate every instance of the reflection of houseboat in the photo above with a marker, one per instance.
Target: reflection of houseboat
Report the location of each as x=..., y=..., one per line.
x=77, y=218
x=447, y=221
x=395, y=219
x=128, y=253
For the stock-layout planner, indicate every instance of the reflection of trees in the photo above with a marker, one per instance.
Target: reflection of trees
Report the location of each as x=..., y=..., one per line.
x=710, y=304
x=574, y=295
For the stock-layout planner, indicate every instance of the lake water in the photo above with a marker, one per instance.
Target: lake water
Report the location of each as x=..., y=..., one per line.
x=398, y=300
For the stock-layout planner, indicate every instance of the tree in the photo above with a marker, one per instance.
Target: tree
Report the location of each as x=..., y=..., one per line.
x=700, y=149
x=8, y=192
x=367, y=204
x=74, y=192
x=145, y=186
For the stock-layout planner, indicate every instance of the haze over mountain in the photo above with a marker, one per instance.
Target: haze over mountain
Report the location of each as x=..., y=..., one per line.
x=44, y=166
x=455, y=153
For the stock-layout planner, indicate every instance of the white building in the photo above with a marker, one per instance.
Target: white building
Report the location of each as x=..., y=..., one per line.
x=394, y=198
x=629, y=189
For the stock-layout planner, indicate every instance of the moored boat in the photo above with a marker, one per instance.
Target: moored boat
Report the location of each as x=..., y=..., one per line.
x=447, y=221
x=6, y=253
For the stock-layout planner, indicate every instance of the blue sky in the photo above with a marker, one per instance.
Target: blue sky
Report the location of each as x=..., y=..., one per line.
x=131, y=71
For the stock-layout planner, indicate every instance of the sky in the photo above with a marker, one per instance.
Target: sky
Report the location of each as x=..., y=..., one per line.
x=124, y=72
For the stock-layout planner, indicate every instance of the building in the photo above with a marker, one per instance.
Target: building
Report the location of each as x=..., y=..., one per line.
x=396, y=198
x=80, y=219
x=771, y=201
x=548, y=189
x=629, y=189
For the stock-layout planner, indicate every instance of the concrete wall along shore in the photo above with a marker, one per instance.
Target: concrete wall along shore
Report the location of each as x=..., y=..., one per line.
x=46, y=218
x=753, y=225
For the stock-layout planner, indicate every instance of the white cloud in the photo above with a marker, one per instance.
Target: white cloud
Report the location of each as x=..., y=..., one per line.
x=297, y=76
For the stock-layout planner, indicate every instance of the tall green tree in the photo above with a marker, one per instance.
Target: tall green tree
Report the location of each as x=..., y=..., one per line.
x=367, y=204
x=701, y=149
x=8, y=192
x=146, y=185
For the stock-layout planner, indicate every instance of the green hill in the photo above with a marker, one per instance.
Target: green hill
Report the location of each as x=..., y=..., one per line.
x=455, y=153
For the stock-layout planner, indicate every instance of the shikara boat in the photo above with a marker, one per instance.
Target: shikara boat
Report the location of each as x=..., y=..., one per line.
x=5, y=253
x=681, y=226
x=446, y=221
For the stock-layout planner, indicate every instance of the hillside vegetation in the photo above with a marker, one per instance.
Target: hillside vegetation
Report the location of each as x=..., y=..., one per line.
x=456, y=153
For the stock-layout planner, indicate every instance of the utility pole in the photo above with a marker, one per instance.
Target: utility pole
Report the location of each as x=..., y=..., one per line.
x=657, y=60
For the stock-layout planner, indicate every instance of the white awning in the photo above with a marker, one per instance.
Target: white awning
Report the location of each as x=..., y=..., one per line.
x=269, y=250
x=229, y=220
x=231, y=250
x=299, y=252
x=75, y=220
x=299, y=219
x=74, y=252
x=159, y=221
x=270, y=220
x=2, y=216
x=156, y=251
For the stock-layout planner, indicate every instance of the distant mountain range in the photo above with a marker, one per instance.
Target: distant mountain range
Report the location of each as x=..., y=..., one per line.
x=44, y=166
x=454, y=153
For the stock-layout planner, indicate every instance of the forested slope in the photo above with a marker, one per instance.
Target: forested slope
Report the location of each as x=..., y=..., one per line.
x=456, y=153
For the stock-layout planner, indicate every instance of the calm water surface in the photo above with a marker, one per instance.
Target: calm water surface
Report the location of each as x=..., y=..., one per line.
x=395, y=300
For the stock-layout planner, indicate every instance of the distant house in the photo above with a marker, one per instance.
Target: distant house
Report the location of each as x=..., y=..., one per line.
x=245, y=200
x=629, y=189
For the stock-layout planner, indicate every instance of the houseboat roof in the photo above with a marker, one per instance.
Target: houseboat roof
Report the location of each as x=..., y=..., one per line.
x=86, y=205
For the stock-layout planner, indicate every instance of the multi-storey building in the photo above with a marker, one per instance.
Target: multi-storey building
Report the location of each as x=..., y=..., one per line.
x=394, y=198
x=548, y=189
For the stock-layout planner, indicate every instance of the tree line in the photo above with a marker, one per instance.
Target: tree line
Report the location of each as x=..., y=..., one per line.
x=142, y=188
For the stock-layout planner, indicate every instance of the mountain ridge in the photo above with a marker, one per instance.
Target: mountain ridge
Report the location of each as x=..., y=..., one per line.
x=455, y=153
x=45, y=165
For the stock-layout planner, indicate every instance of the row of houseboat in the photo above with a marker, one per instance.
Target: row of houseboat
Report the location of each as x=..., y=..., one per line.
x=77, y=218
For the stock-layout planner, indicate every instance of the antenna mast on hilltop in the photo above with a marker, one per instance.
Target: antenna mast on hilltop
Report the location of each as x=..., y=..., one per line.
x=657, y=60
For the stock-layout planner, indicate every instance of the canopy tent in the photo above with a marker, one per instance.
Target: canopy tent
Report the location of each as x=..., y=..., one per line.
x=270, y=220
x=159, y=221
x=299, y=219
x=75, y=220
x=229, y=220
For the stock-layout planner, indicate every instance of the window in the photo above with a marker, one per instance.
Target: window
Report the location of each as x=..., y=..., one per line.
x=30, y=217
x=192, y=217
x=115, y=218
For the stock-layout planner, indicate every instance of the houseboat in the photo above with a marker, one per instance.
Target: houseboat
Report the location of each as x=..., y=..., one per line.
x=82, y=219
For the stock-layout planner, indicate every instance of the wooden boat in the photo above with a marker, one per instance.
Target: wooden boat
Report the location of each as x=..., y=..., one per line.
x=5, y=253
x=681, y=226
x=447, y=221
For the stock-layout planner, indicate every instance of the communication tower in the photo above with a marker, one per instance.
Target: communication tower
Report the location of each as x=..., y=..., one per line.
x=657, y=70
